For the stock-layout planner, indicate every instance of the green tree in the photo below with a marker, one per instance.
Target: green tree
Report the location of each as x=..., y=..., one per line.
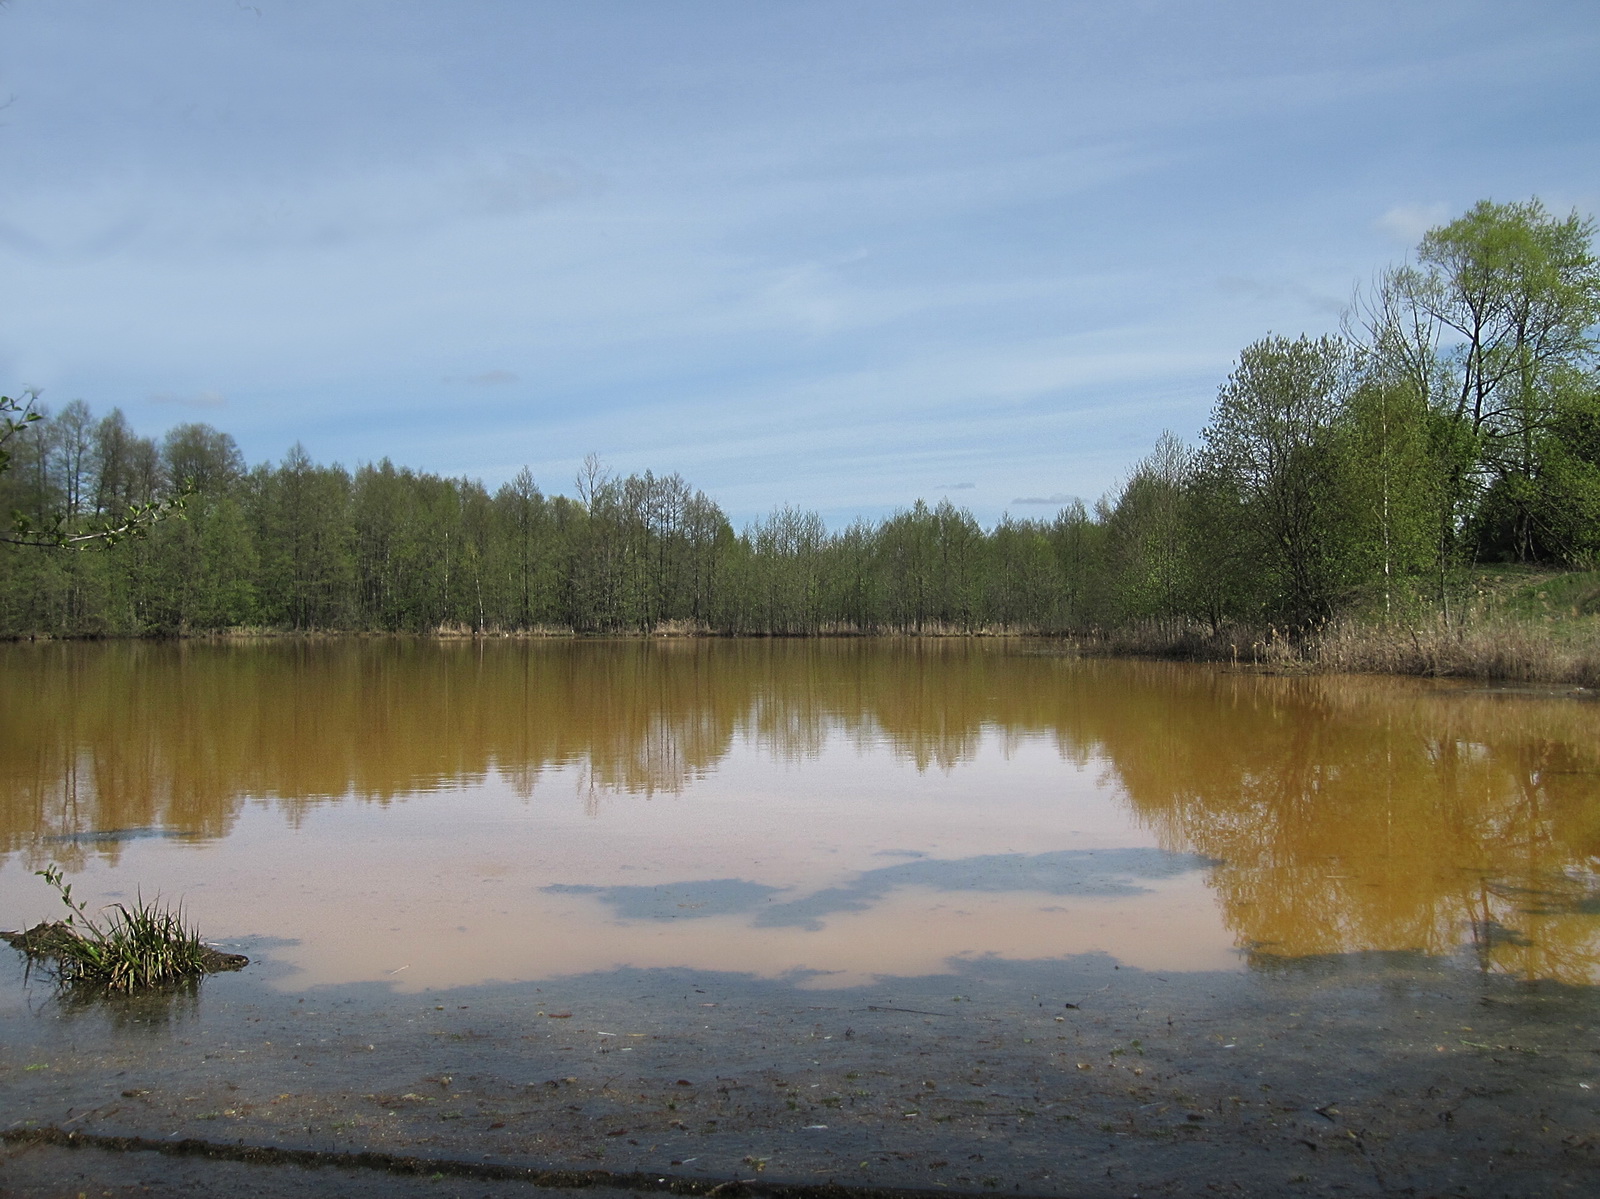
x=207, y=459
x=855, y=585
x=1395, y=467
x=1022, y=579
x=1273, y=444
x=525, y=551
x=1553, y=512
x=908, y=556
x=49, y=501
x=1514, y=294
x=1078, y=541
x=785, y=571
x=1148, y=538
x=301, y=517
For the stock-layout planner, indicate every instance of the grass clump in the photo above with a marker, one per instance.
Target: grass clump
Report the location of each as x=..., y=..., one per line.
x=132, y=949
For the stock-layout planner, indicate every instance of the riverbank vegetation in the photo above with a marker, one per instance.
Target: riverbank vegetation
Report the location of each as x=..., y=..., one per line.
x=1383, y=498
x=132, y=949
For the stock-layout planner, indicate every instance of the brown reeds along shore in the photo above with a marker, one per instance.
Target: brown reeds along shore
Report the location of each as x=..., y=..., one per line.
x=1509, y=626
x=1494, y=649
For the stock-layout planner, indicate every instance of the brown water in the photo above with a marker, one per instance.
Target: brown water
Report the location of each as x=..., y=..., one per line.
x=436, y=814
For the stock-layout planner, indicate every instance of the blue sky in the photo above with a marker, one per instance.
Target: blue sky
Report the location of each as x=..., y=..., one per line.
x=840, y=255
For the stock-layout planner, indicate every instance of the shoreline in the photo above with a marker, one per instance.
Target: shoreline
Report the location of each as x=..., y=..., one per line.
x=1495, y=649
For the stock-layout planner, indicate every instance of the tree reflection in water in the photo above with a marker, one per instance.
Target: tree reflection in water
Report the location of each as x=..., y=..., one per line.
x=1344, y=814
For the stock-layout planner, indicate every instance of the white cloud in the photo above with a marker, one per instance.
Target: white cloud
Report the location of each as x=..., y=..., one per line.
x=1055, y=500
x=1406, y=223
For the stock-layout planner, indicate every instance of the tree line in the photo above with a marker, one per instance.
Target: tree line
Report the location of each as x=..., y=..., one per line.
x=1455, y=419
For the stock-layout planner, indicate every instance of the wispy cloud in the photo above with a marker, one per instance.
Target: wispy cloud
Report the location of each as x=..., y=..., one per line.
x=797, y=267
x=159, y=217
x=1408, y=222
x=200, y=399
x=1276, y=291
x=1058, y=498
x=494, y=378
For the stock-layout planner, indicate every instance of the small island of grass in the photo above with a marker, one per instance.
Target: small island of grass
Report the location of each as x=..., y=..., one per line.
x=133, y=949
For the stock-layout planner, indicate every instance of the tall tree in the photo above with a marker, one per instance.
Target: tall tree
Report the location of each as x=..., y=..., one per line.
x=524, y=541
x=786, y=571
x=1021, y=577
x=1078, y=542
x=301, y=514
x=202, y=456
x=74, y=437
x=1516, y=294
x=1148, y=535
x=1272, y=441
x=1395, y=468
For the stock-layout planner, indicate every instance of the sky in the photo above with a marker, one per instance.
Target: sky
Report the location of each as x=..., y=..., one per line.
x=836, y=255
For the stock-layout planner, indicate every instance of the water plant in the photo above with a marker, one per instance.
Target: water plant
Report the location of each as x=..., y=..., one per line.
x=130, y=949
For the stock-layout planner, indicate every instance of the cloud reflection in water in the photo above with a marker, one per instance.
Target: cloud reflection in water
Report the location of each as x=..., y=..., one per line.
x=1079, y=872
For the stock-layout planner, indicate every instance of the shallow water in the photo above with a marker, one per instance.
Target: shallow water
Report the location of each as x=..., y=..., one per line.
x=965, y=915
x=425, y=815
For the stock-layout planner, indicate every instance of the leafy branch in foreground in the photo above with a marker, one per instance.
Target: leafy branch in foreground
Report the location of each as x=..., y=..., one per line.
x=135, y=948
x=15, y=416
x=135, y=522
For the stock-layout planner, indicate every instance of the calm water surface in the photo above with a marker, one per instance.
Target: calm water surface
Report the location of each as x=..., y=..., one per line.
x=437, y=814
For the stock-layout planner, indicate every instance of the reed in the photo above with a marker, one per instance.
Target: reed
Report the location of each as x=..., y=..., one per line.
x=1499, y=648
x=1494, y=645
x=131, y=949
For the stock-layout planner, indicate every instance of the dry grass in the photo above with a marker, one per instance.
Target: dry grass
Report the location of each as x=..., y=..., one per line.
x=1485, y=647
x=1487, y=644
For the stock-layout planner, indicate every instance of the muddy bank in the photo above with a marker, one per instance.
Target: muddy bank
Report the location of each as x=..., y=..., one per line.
x=1351, y=1075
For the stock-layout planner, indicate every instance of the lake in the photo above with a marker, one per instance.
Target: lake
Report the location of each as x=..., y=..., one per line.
x=391, y=820
x=444, y=813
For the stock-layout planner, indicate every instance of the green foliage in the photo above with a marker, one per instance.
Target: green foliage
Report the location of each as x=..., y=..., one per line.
x=1511, y=297
x=1566, y=512
x=1274, y=445
x=1022, y=579
x=1521, y=292
x=1149, y=536
x=1394, y=489
x=15, y=416
x=928, y=559
x=53, y=514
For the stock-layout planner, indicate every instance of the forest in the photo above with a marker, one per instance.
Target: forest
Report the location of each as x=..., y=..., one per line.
x=1454, y=421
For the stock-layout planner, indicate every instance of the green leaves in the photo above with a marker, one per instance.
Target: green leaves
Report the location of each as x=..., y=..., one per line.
x=15, y=416
x=59, y=532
